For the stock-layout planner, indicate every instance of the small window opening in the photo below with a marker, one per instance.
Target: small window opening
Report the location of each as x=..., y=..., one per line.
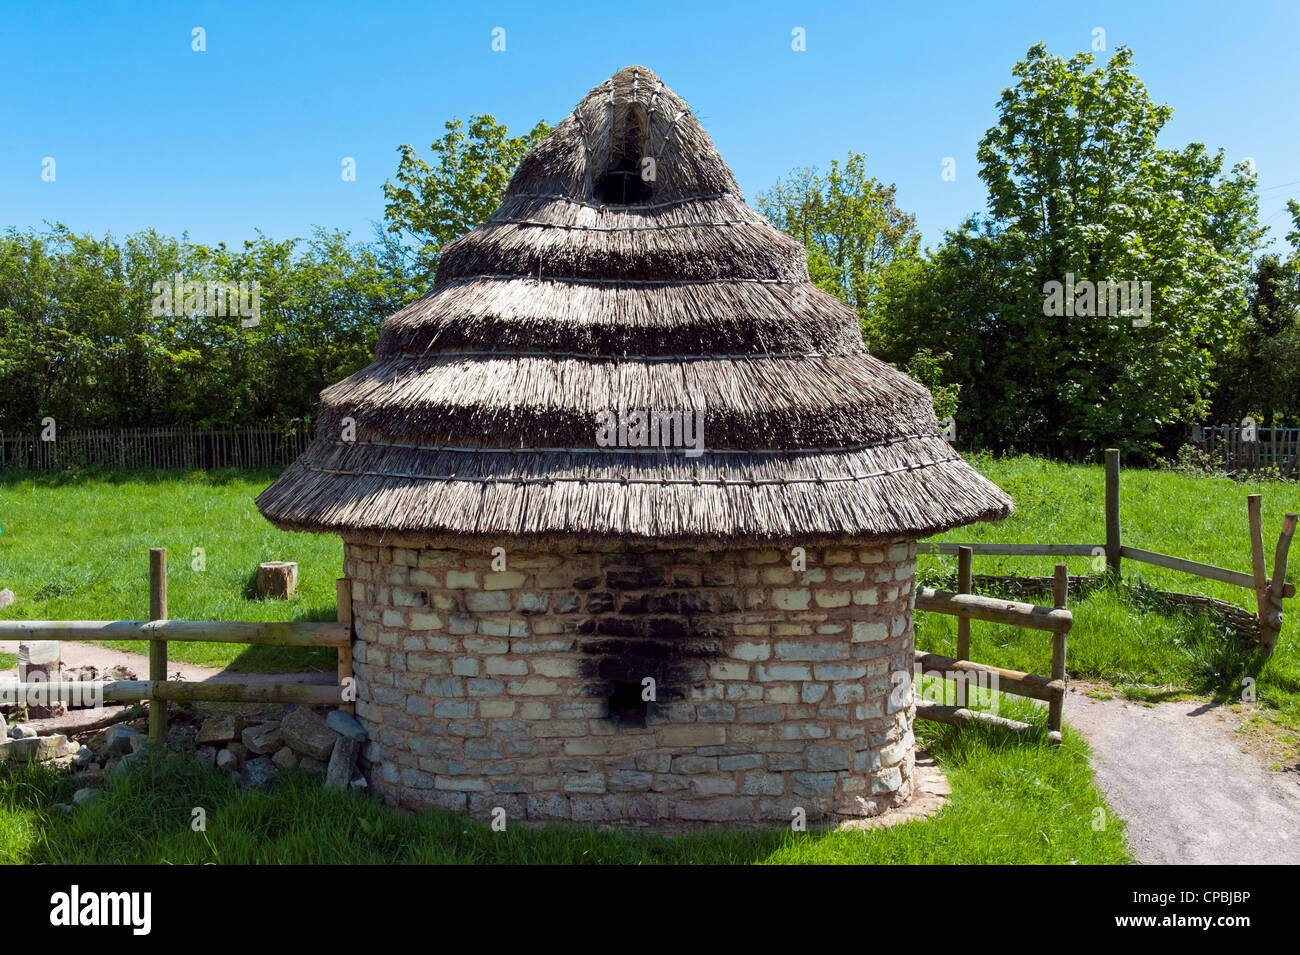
x=626, y=706
x=622, y=183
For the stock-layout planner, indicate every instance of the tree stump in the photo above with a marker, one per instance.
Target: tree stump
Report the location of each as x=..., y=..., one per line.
x=277, y=578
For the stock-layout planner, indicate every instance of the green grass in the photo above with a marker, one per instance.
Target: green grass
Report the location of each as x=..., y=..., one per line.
x=76, y=547
x=1014, y=801
x=1119, y=636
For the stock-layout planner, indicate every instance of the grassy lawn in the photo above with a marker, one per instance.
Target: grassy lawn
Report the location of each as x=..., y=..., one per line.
x=1117, y=636
x=77, y=548
x=1014, y=801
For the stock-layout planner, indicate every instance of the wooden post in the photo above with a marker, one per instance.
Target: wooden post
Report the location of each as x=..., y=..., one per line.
x=343, y=590
x=1270, y=622
x=964, y=555
x=1113, y=536
x=158, y=648
x=1060, y=595
x=1258, y=565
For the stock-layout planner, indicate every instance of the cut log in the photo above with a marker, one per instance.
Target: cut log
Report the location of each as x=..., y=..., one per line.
x=38, y=660
x=277, y=579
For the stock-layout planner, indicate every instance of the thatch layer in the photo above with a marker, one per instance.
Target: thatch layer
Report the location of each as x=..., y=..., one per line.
x=510, y=314
x=594, y=289
x=541, y=401
x=887, y=492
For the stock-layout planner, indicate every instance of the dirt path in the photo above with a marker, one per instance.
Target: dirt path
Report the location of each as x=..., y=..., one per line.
x=74, y=655
x=1177, y=774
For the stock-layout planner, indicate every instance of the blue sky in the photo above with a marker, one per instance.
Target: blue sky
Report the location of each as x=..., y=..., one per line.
x=251, y=133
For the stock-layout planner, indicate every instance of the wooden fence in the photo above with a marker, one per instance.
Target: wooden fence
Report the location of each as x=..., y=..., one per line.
x=190, y=448
x=1269, y=591
x=1239, y=451
x=160, y=631
x=965, y=606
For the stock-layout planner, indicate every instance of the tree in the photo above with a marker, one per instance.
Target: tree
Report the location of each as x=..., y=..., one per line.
x=850, y=225
x=1261, y=378
x=82, y=341
x=1081, y=199
x=429, y=205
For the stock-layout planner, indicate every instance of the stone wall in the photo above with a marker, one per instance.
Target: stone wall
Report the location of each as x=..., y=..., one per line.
x=772, y=687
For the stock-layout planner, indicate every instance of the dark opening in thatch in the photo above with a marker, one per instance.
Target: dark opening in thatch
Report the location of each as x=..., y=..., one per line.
x=583, y=297
x=628, y=178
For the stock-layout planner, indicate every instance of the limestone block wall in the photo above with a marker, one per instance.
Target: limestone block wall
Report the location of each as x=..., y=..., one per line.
x=774, y=689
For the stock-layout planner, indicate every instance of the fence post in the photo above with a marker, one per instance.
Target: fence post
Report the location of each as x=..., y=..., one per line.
x=1113, y=536
x=1255, y=518
x=157, y=648
x=1270, y=612
x=343, y=590
x=1060, y=596
x=963, y=622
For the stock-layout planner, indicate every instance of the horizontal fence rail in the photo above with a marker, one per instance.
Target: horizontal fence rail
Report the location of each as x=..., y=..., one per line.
x=1014, y=550
x=1026, y=684
x=160, y=631
x=179, y=691
x=1208, y=571
x=966, y=606
x=189, y=448
x=994, y=610
x=282, y=634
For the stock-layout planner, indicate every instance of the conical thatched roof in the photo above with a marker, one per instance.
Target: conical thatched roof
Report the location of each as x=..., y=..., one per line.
x=593, y=290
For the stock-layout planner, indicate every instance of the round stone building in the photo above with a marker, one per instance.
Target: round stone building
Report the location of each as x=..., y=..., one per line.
x=629, y=511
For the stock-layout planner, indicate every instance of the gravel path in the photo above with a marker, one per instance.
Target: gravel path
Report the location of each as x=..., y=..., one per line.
x=1177, y=775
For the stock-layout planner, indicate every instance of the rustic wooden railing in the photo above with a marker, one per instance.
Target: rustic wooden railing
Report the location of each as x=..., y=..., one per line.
x=1269, y=591
x=965, y=606
x=160, y=631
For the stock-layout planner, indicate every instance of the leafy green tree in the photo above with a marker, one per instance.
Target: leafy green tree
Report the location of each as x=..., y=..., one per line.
x=927, y=368
x=1261, y=377
x=850, y=225
x=1079, y=194
x=82, y=341
x=429, y=205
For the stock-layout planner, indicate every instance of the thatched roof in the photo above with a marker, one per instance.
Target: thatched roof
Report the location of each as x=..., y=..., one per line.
x=593, y=290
